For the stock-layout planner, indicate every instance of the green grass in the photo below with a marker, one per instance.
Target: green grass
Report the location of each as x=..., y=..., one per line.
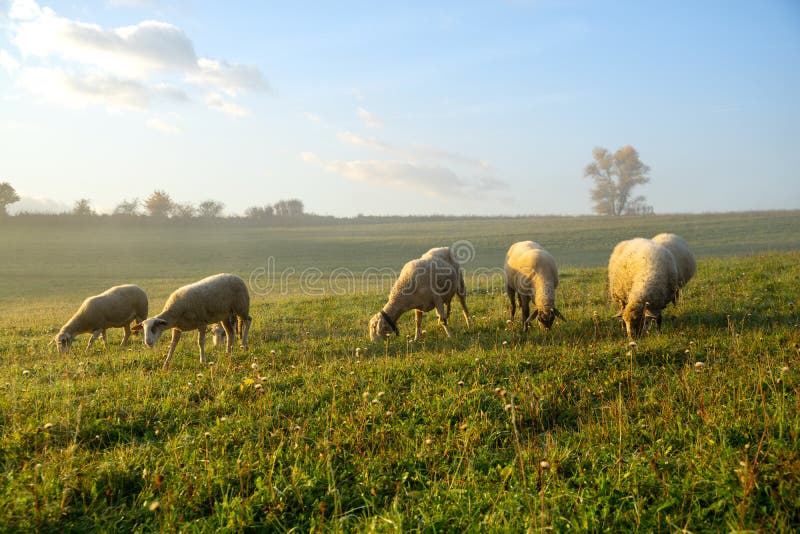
x=303, y=433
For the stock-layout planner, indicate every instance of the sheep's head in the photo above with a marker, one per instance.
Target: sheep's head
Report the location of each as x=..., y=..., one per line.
x=64, y=342
x=637, y=320
x=546, y=318
x=152, y=329
x=381, y=326
x=219, y=334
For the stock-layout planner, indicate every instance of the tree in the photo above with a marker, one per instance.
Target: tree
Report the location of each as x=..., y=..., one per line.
x=210, y=208
x=7, y=196
x=159, y=204
x=615, y=176
x=289, y=207
x=184, y=211
x=83, y=207
x=127, y=207
x=258, y=212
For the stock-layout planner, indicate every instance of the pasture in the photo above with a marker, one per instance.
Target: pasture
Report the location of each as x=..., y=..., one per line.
x=695, y=428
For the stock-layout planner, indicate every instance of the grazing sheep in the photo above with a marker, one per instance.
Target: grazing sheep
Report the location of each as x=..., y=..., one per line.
x=423, y=284
x=531, y=274
x=684, y=259
x=213, y=299
x=642, y=279
x=114, y=308
x=446, y=254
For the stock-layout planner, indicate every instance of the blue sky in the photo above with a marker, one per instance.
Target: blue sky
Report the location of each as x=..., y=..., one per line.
x=482, y=107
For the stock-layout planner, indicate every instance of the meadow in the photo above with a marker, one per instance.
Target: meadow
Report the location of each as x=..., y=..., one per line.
x=695, y=428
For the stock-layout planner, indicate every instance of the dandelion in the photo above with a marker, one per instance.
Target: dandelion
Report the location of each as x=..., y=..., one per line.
x=375, y=401
x=308, y=333
x=503, y=392
x=699, y=365
x=632, y=344
x=208, y=435
x=505, y=343
x=257, y=386
x=497, y=390
x=428, y=441
x=508, y=321
x=297, y=428
x=25, y=372
x=156, y=432
x=381, y=394
x=272, y=352
x=199, y=376
x=358, y=352
x=37, y=467
x=461, y=383
x=544, y=464
x=388, y=413
x=48, y=426
x=223, y=419
x=155, y=505
x=785, y=369
x=190, y=384
x=507, y=407
x=365, y=395
x=254, y=365
x=686, y=351
x=424, y=332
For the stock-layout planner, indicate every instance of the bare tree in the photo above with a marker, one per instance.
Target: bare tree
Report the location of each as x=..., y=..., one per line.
x=615, y=176
x=289, y=207
x=159, y=204
x=259, y=212
x=128, y=207
x=7, y=196
x=83, y=207
x=210, y=208
x=184, y=211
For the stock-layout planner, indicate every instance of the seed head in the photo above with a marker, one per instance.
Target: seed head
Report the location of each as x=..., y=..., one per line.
x=48, y=426
x=544, y=464
x=155, y=505
x=699, y=365
x=254, y=365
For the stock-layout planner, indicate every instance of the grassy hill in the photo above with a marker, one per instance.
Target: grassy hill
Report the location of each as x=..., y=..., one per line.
x=696, y=427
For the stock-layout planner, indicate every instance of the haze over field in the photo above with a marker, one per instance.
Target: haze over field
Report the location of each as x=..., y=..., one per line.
x=412, y=108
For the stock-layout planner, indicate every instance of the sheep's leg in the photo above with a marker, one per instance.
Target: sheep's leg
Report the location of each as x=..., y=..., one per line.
x=230, y=334
x=511, y=295
x=462, y=298
x=417, y=324
x=127, y=330
x=245, y=330
x=442, y=318
x=176, y=336
x=526, y=311
x=103, y=337
x=201, y=342
x=95, y=335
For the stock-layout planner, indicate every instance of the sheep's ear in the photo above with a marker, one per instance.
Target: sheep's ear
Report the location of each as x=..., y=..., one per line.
x=160, y=322
x=532, y=316
x=558, y=314
x=137, y=327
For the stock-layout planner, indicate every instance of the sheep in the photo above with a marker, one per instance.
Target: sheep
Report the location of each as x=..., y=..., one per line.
x=531, y=273
x=423, y=284
x=446, y=254
x=213, y=299
x=114, y=308
x=684, y=259
x=218, y=332
x=642, y=279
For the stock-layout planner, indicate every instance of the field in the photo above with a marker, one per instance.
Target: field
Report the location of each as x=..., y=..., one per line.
x=695, y=428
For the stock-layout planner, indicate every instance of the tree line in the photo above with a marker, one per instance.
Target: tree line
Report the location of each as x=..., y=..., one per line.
x=161, y=206
x=614, y=176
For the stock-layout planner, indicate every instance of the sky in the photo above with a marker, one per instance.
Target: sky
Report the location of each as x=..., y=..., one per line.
x=465, y=108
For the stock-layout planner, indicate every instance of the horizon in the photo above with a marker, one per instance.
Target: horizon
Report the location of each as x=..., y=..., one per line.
x=489, y=109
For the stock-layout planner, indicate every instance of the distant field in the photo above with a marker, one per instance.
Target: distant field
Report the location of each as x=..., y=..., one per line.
x=70, y=258
x=695, y=428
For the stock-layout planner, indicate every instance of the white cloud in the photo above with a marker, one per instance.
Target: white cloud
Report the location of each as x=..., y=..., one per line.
x=432, y=181
x=162, y=126
x=130, y=64
x=215, y=101
x=311, y=117
x=8, y=62
x=370, y=120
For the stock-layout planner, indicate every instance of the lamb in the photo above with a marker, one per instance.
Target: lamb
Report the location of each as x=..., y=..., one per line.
x=684, y=259
x=531, y=273
x=114, y=308
x=642, y=279
x=218, y=332
x=423, y=284
x=213, y=299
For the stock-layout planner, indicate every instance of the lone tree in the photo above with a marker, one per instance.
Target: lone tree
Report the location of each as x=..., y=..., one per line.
x=615, y=175
x=83, y=207
x=127, y=207
x=7, y=196
x=210, y=208
x=159, y=204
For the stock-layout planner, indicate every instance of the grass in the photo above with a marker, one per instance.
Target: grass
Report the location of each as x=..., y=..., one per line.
x=695, y=428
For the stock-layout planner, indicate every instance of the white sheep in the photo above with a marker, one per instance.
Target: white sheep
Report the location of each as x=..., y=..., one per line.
x=684, y=259
x=116, y=307
x=642, y=279
x=531, y=274
x=423, y=284
x=193, y=307
x=447, y=255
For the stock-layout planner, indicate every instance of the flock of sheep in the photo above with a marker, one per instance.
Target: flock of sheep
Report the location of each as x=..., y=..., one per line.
x=644, y=276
